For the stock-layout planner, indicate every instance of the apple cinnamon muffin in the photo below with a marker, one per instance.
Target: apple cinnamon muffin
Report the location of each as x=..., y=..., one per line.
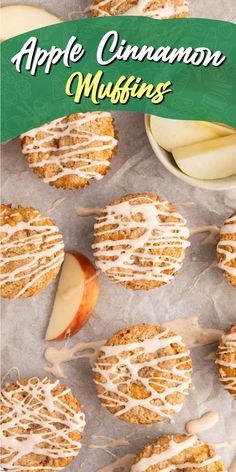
x=226, y=249
x=70, y=151
x=41, y=425
x=140, y=241
x=143, y=374
x=226, y=360
x=32, y=251
x=158, y=9
x=177, y=452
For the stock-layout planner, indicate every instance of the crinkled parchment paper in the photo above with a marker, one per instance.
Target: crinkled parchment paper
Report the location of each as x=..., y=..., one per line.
x=134, y=169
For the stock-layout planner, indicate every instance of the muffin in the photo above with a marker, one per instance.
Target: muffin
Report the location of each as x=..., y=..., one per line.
x=177, y=452
x=158, y=9
x=226, y=360
x=32, y=251
x=70, y=151
x=140, y=241
x=226, y=249
x=143, y=374
x=41, y=424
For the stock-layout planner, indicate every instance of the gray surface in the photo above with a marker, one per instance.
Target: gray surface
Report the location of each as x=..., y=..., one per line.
x=135, y=168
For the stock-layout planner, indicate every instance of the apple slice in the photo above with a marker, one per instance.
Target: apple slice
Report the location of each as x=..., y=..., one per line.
x=215, y=159
x=76, y=297
x=171, y=134
x=19, y=19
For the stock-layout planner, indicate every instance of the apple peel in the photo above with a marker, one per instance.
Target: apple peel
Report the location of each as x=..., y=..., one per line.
x=75, y=299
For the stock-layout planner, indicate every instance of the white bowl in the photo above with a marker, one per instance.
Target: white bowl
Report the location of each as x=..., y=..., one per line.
x=168, y=161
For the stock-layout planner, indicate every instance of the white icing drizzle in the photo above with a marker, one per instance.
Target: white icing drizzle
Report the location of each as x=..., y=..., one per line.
x=202, y=274
x=188, y=328
x=8, y=374
x=36, y=426
x=57, y=356
x=56, y=204
x=222, y=445
x=81, y=211
x=184, y=203
x=212, y=231
x=77, y=153
x=128, y=370
x=170, y=9
x=110, y=445
x=46, y=253
x=223, y=246
x=206, y=421
x=174, y=448
x=228, y=347
x=117, y=258
x=192, y=333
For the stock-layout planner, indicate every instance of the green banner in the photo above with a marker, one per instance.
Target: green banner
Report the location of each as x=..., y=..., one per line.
x=178, y=68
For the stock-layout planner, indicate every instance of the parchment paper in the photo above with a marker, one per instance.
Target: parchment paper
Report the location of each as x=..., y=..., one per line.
x=134, y=169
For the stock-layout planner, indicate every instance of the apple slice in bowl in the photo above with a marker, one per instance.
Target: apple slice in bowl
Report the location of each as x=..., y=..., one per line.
x=19, y=19
x=75, y=299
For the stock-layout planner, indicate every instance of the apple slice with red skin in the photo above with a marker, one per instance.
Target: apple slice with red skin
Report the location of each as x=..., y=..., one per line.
x=75, y=299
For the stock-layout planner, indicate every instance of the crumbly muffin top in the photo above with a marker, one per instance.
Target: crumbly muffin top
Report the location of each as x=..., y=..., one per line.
x=140, y=241
x=226, y=249
x=177, y=452
x=226, y=360
x=158, y=9
x=143, y=374
x=32, y=251
x=41, y=424
x=70, y=151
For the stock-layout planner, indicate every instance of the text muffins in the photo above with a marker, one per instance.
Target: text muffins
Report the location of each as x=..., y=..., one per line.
x=226, y=249
x=177, y=452
x=32, y=251
x=226, y=360
x=41, y=424
x=70, y=151
x=158, y=9
x=140, y=241
x=143, y=374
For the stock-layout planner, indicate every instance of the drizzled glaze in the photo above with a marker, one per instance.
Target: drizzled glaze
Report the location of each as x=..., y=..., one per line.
x=212, y=231
x=85, y=165
x=56, y=204
x=192, y=333
x=188, y=328
x=172, y=8
x=222, y=445
x=206, y=421
x=57, y=356
x=46, y=251
x=34, y=430
x=174, y=448
x=132, y=259
x=227, y=347
x=81, y=211
x=227, y=247
x=128, y=370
